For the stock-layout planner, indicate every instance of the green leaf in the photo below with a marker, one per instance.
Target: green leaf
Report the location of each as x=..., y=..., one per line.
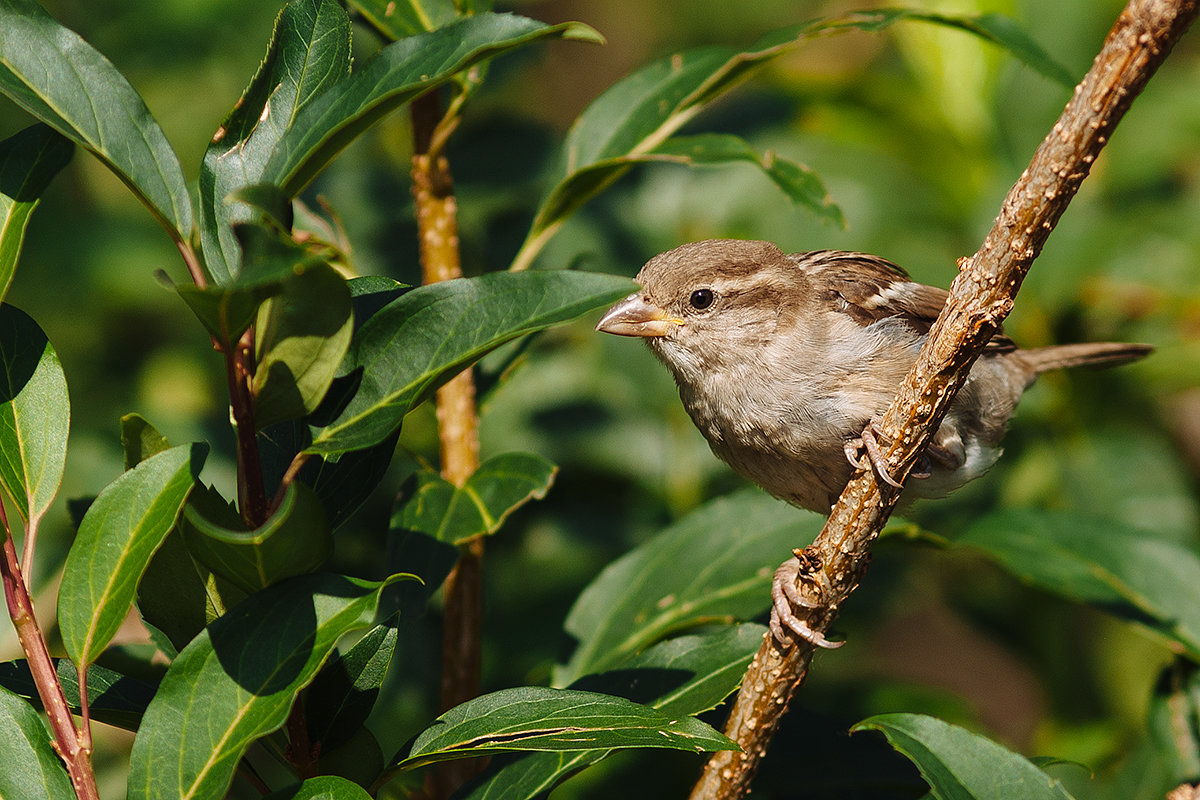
x=66, y=83
x=294, y=540
x=426, y=336
x=28, y=160
x=32, y=769
x=397, y=19
x=341, y=698
x=1174, y=720
x=713, y=565
x=120, y=532
x=685, y=675
x=501, y=485
x=308, y=53
x=540, y=718
x=35, y=414
x=637, y=115
x=237, y=680
x=113, y=698
x=1122, y=570
x=300, y=339
x=958, y=764
x=322, y=787
x=140, y=440
x=398, y=73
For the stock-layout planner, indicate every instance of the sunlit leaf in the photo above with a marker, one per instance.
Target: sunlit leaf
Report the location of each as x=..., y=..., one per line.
x=28, y=160
x=31, y=767
x=309, y=52
x=960, y=765
x=540, y=718
x=35, y=414
x=237, y=680
x=396, y=19
x=419, y=341
x=63, y=81
x=140, y=440
x=454, y=514
x=341, y=698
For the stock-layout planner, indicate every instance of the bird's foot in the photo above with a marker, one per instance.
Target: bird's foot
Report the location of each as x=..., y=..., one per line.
x=786, y=598
x=868, y=444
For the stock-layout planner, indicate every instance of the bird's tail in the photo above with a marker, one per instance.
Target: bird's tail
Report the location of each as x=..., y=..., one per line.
x=1086, y=354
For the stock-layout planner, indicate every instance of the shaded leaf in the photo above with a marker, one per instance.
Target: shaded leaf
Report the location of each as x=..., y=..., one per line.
x=395, y=20
x=66, y=83
x=113, y=698
x=540, y=718
x=1125, y=571
x=959, y=764
x=322, y=787
x=118, y=535
x=392, y=77
x=341, y=698
x=1174, y=720
x=237, y=680
x=452, y=514
x=309, y=52
x=714, y=564
x=32, y=769
x=140, y=440
x=417, y=342
x=294, y=540
x=35, y=415
x=28, y=160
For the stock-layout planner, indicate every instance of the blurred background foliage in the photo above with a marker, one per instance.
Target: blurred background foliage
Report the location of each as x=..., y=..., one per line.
x=918, y=133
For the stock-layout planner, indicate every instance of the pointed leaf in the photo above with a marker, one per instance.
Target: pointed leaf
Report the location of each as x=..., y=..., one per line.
x=113, y=698
x=1114, y=567
x=540, y=718
x=294, y=540
x=300, y=340
x=685, y=675
x=35, y=414
x=341, y=698
x=28, y=160
x=119, y=534
x=66, y=83
x=309, y=51
x=960, y=765
x=32, y=769
x=420, y=340
x=396, y=20
x=501, y=485
x=323, y=787
x=395, y=75
x=140, y=440
x=715, y=563
x=237, y=680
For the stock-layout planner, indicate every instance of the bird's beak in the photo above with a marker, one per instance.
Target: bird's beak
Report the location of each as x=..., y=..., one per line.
x=637, y=316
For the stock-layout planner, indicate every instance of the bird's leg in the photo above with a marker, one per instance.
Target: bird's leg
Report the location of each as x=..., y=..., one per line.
x=786, y=598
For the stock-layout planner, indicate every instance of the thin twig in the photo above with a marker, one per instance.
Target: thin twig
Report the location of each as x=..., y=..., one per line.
x=980, y=298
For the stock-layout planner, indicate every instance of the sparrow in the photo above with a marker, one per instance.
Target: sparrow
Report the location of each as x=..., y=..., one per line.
x=785, y=362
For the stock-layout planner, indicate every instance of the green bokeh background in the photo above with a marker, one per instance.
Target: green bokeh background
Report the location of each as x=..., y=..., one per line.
x=918, y=133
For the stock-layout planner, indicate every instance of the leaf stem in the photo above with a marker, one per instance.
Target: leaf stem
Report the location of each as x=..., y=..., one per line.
x=980, y=298
x=72, y=745
x=252, y=493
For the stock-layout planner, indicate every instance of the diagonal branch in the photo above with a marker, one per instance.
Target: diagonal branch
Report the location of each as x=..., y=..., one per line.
x=980, y=298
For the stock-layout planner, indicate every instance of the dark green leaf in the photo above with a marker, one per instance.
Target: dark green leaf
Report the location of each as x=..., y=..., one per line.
x=343, y=694
x=28, y=160
x=960, y=765
x=32, y=770
x=419, y=341
x=1122, y=570
x=35, y=415
x=501, y=485
x=309, y=52
x=397, y=74
x=323, y=787
x=237, y=680
x=118, y=535
x=294, y=540
x=63, y=81
x=714, y=564
x=140, y=440
x=113, y=698
x=300, y=340
x=395, y=20
x=540, y=718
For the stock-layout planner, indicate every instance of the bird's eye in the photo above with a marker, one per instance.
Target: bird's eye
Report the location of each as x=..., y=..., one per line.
x=702, y=299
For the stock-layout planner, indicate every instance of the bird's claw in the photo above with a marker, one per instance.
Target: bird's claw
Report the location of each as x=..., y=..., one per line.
x=869, y=444
x=786, y=597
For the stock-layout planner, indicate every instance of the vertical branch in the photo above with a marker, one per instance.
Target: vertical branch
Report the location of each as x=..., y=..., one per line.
x=252, y=493
x=458, y=420
x=980, y=298
x=72, y=745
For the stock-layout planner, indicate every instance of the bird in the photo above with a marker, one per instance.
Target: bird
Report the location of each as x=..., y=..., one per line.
x=786, y=362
